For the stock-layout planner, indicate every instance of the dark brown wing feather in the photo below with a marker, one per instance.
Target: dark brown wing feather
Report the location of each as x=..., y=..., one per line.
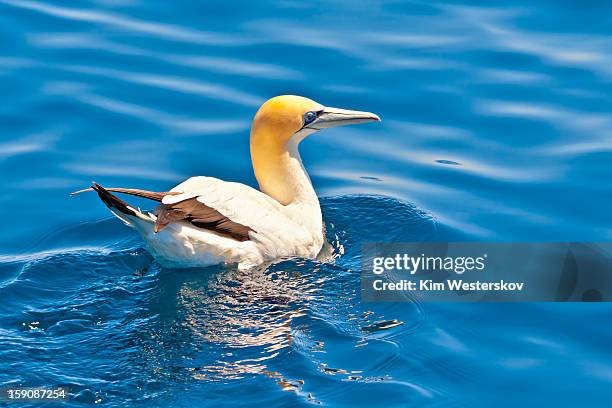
x=151, y=195
x=201, y=216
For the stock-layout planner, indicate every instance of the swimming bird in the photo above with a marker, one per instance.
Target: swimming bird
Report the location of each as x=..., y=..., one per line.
x=205, y=221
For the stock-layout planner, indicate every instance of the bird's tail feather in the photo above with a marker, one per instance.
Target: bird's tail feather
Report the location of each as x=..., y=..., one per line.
x=151, y=195
x=127, y=213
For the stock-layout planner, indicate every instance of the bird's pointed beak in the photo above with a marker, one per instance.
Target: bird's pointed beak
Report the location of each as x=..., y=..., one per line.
x=331, y=117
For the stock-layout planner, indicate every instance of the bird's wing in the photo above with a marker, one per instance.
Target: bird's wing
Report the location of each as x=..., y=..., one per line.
x=231, y=209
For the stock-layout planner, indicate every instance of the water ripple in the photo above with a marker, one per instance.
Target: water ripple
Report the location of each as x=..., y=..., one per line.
x=149, y=28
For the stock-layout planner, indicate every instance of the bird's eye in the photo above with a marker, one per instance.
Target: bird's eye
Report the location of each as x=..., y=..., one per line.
x=309, y=117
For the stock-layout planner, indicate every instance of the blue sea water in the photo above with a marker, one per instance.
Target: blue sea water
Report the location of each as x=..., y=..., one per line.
x=496, y=127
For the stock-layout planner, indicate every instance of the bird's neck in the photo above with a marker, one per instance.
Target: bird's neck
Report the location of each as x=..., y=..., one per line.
x=281, y=174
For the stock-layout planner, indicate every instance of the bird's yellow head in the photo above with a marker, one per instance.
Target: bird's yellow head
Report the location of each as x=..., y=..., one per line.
x=280, y=124
x=281, y=118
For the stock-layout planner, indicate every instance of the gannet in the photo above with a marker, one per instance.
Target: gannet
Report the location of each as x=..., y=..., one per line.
x=206, y=221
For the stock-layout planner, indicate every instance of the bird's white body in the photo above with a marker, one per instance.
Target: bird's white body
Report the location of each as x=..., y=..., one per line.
x=205, y=221
x=279, y=231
